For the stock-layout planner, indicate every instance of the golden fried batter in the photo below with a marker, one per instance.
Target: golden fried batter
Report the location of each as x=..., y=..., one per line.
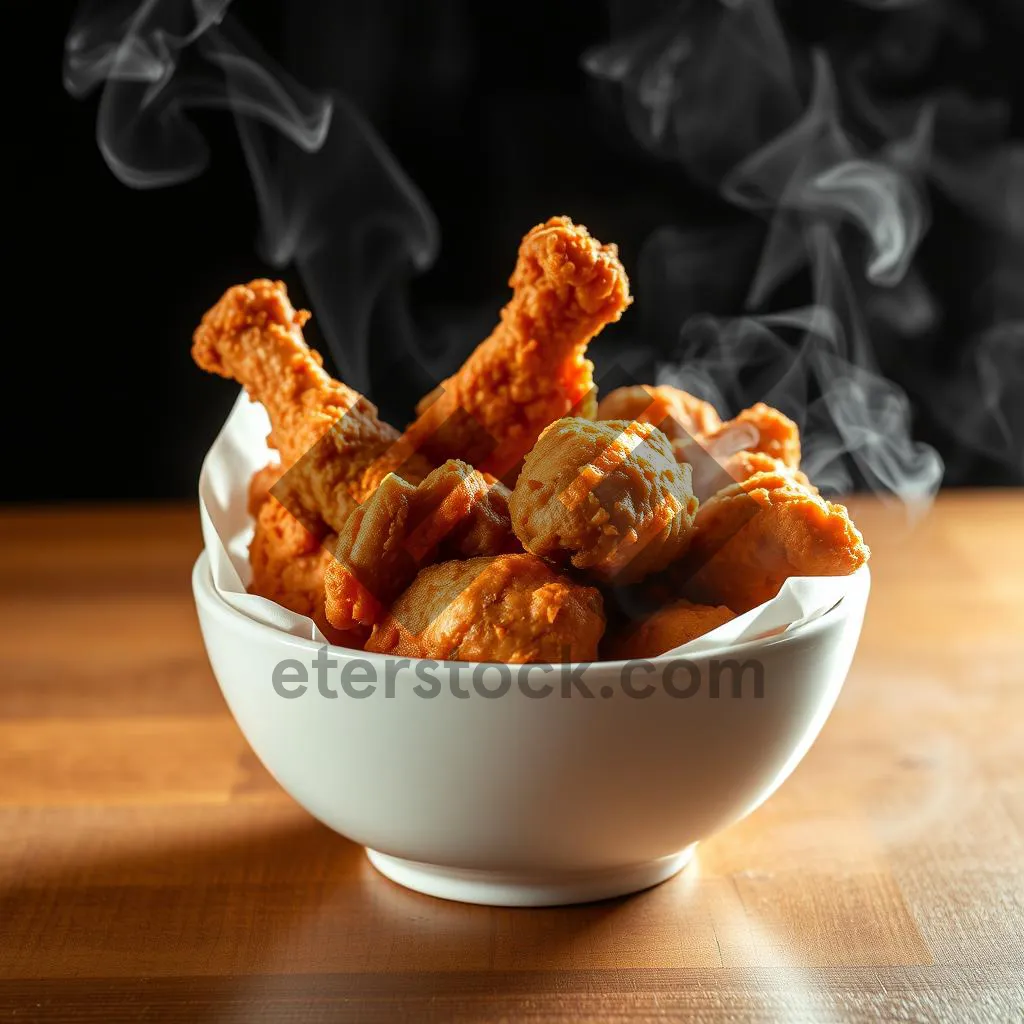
x=288, y=559
x=688, y=421
x=742, y=465
x=751, y=537
x=778, y=435
x=669, y=627
x=510, y=608
x=329, y=436
x=676, y=413
x=260, y=484
x=533, y=368
x=609, y=497
x=456, y=512
x=351, y=638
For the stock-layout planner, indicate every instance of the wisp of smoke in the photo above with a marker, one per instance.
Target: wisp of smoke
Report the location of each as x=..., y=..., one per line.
x=332, y=198
x=855, y=423
x=811, y=183
x=811, y=173
x=139, y=54
x=984, y=395
x=832, y=152
x=348, y=217
x=696, y=110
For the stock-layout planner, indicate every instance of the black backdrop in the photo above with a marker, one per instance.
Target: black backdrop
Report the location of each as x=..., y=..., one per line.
x=488, y=110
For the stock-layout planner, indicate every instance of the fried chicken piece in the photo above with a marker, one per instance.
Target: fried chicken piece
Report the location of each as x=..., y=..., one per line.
x=689, y=422
x=456, y=512
x=533, y=368
x=288, y=558
x=260, y=486
x=741, y=447
x=335, y=447
x=778, y=435
x=752, y=536
x=667, y=628
x=354, y=639
x=509, y=608
x=607, y=496
x=742, y=465
x=676, y=413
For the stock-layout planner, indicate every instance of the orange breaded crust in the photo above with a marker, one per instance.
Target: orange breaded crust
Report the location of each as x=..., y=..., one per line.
x=672, y=626
x=259, y=486
x=333, y=444
x=509, y=608
x=456, y=512
x=778, y=435
x=533, y=367
x=288, y=559
x=742, y=465
x=751, y=537
x=676, y=413
x=288, y=564
x=607, y=496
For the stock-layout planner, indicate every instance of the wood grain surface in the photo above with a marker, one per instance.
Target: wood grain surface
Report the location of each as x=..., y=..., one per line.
x=150, y=869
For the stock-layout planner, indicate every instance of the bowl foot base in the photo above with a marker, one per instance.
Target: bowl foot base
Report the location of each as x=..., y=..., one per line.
x=527, y=889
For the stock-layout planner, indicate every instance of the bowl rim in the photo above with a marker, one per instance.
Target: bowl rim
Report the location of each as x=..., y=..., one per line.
x=205, y=594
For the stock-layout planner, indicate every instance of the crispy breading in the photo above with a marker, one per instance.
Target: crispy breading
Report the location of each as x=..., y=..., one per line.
x=778, y=435
x=742, y=465
x=508, y=608
x=456, y=512
x=533, y=367
x=288, y=559
x=607, y=497
x=334, y=446
x=689, y=421
x=751, y=537
x=260, y=485
x=669, y=627
x=676, y=413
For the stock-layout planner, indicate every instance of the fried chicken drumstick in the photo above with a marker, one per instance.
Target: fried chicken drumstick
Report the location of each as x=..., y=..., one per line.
x=533, y=368
x=330, y=438
x=511, y=608
x=456, y=512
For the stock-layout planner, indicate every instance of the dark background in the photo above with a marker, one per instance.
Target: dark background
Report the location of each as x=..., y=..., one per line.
x=490, y=112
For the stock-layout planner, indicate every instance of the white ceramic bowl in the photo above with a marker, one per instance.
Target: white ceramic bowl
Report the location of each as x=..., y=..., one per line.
x=520, y=800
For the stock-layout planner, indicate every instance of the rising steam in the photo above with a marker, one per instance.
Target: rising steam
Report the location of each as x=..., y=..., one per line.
x=684, y=98
x=145, y=57
x=831, y=155
x=717, y=88
x=332, y=199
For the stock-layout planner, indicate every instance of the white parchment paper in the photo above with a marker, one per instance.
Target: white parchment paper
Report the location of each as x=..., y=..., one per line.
x=241, y=448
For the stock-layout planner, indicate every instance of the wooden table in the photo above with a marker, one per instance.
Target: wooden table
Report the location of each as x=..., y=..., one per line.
x=150, y=868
